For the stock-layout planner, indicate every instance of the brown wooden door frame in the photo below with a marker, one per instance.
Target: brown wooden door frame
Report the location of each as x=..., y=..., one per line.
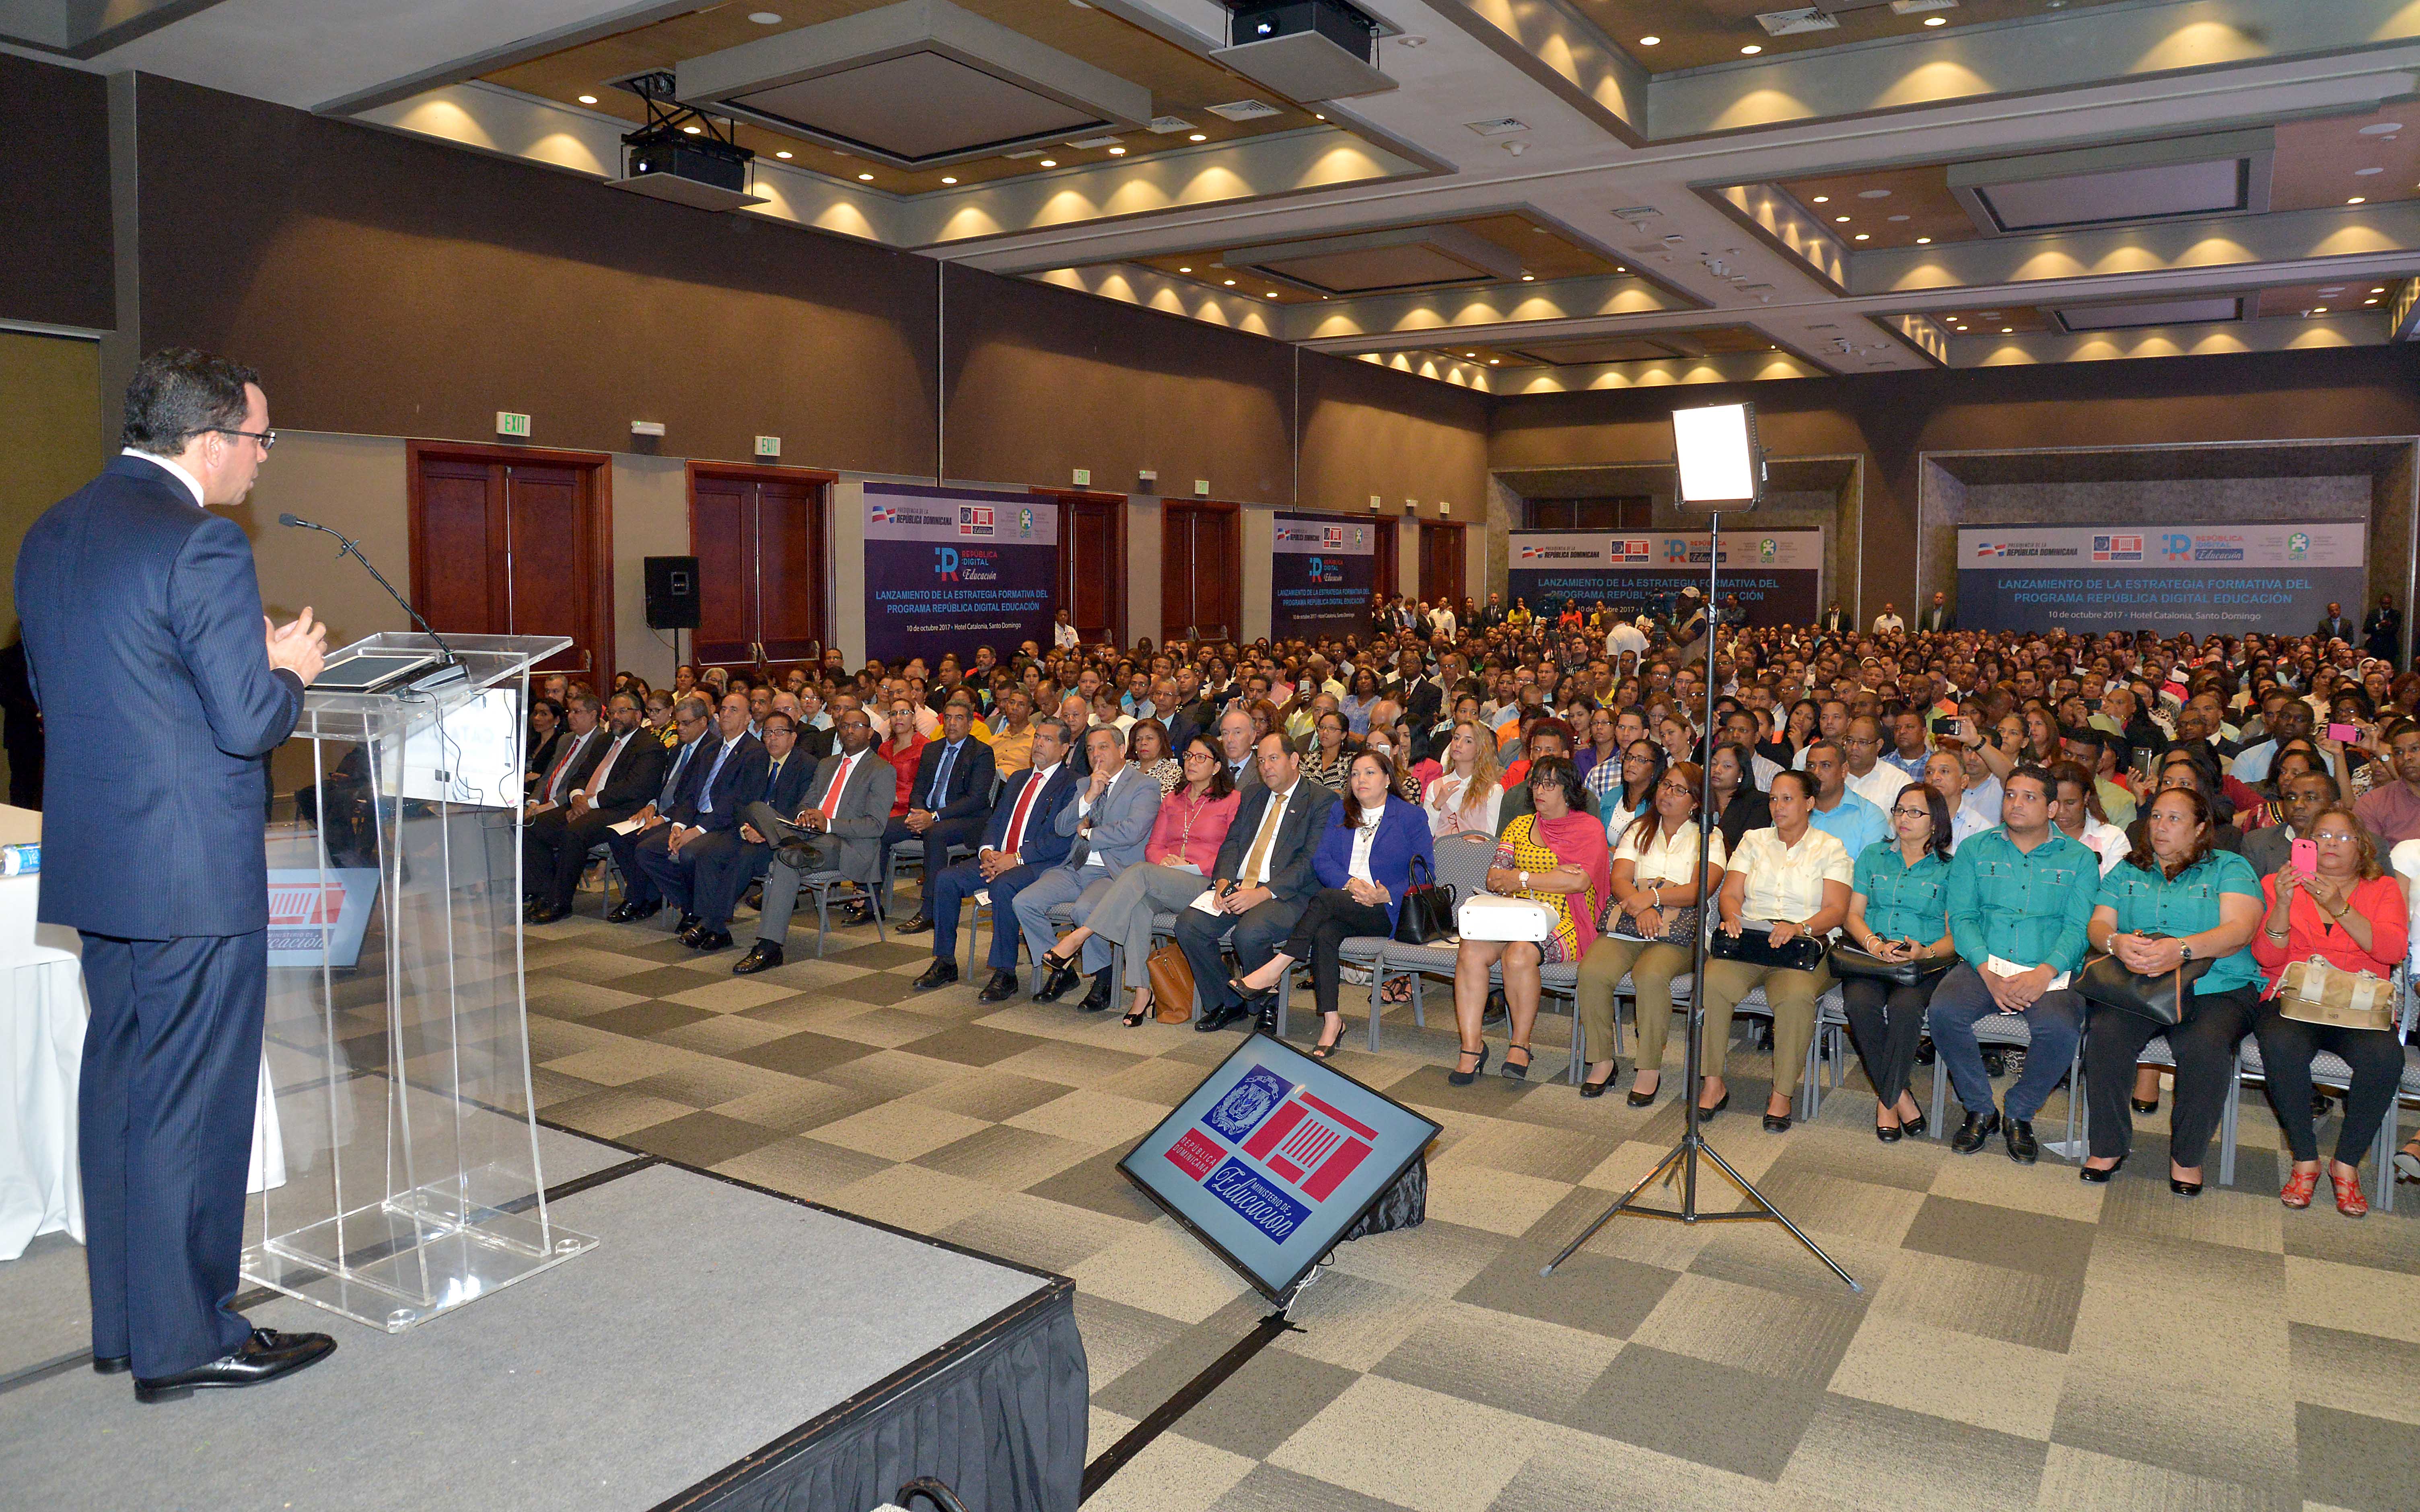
x=596, y=511
x=757, y=473
x=1063, y=497
x=1234, y=587
x=1458, y=589
x=1386, y=573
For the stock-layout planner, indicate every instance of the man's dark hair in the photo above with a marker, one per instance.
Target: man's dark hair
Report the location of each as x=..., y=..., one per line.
x=180, y=394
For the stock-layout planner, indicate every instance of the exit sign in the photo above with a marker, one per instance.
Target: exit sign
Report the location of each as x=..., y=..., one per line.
x=508, y=424
x=1083, y=477
x=768, y=446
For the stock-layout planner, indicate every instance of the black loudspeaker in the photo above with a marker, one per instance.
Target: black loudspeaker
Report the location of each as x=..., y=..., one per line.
x=671, y=593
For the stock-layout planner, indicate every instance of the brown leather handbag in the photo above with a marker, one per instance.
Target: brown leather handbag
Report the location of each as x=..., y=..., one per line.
x=1171, y=984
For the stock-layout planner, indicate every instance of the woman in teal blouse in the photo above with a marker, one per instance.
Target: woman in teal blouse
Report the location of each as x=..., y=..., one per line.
x=2175, y=899
x=1898, y=909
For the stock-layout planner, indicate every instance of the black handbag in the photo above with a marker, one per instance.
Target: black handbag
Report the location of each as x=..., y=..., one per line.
x=2158, y=996
x=1426, y=915
x=1848, y=960
x=1755, y=948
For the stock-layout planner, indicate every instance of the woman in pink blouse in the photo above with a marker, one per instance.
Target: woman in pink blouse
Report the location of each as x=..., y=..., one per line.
x=1176, y=862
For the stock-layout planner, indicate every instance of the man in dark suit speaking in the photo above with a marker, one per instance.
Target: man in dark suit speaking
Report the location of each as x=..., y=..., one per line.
x=142, y=613
x=1262, y=881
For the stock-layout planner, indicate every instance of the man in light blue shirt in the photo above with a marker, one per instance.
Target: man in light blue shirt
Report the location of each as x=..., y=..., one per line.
x=1854, y=822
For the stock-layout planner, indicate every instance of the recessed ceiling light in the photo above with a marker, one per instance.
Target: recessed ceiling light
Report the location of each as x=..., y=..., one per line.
x=1471, y=354
x=1936, y=21
x=2369, y=302
x=765, y=18
x=865, y=177
x=1650, y=41
x=780, y=154
x=2321, y=310
x=1317, y=116
x=1528, y=278
x=2383, y=129
x=2332, y=288
x=1047, y=162
x=1751, y=50
x=1272, y=294
x=1923, y=241
x=1197, y=137
x=1861, y=236
x=588, y=100
x=2007, y=331
x=2358, y=199
x=1823, y=199
x=1898, y=217
x=2366, y=173
x=1231, y=283
x=1117, y=152
x=1873, y=194
x=2378, y=291
x=1185, y=269
x=1841, y=219
x=693, y=130
x=945, y=178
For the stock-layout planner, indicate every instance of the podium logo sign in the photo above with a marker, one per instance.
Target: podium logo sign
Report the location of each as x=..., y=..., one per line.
x=1293, y=1150
x=318, y=918
x=1272, y=1157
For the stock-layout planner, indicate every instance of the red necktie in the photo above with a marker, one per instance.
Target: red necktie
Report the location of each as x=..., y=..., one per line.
x=555, y=776
x=840, y=780
x=1015, y=840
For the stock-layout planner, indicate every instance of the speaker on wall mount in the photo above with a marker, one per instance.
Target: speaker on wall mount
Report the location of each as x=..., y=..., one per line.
x=671, y=593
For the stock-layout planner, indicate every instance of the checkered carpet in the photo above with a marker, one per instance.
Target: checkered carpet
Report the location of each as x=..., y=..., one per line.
x=2025, y=1340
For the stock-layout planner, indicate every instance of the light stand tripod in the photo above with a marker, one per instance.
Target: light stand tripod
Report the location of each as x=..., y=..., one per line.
x=1682, y=1162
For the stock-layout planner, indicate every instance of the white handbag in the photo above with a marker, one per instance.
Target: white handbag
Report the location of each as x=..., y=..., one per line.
x=1486, y=917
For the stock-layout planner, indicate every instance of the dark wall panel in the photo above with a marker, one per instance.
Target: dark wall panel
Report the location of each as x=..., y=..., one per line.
x=54, y=234
x=1042, y=381
x=1368, y=429
x=1893, y=417
x=389, y=286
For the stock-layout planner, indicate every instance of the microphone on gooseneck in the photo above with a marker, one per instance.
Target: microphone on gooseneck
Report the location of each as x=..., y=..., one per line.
x=346, y=545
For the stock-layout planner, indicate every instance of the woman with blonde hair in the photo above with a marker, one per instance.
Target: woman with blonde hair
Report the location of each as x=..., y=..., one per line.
x=1467, y=794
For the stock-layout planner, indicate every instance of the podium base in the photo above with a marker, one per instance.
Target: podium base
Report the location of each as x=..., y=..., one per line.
x=395, y=1264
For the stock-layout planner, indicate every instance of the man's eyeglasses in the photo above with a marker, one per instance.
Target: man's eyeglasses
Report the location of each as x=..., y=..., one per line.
x=266, y=438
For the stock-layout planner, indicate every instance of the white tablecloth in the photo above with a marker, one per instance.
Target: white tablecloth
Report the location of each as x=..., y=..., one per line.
x=42, y=1014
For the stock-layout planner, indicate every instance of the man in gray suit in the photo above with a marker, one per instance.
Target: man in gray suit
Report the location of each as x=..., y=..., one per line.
x=1107, y=826
x=1262, y=881
x=839, y=829
x=1233, y=738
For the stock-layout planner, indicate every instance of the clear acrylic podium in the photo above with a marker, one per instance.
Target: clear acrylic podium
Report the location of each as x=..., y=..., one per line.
x=401, y=1171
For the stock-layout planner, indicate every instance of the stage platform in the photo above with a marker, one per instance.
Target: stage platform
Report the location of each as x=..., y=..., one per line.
x=722, y=1348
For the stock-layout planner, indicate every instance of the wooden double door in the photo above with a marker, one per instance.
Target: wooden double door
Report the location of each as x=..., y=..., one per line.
x=1441, y=563
x=760, y=535
x=1200, y=570
x=516, y=541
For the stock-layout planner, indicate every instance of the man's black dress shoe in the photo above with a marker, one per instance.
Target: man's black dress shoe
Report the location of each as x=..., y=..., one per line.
x=688, y=937
x=545, y=913
x=762, y=956
x=2023, y=1148
x=915, y=924
x=1215, y=1019
x=1098, y=998
x=1977, y=1128
x=797, y=857
x=1057, y=976
x=265, y=1356
x=112, y=1365
x=627, y=912
x=1002, y=987
x=687, y=923
x=939, y=974
x=707, y=941
x=857, y=916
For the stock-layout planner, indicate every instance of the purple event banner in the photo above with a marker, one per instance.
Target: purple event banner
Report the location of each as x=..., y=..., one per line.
x=951, y=569
x=1323, y=569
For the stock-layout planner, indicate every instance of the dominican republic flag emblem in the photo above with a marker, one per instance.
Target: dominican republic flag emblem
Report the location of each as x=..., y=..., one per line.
x=884, y=515
x=2116, y=548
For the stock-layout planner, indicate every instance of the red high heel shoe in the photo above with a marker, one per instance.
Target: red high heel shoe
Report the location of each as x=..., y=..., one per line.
x=2349, y=1198
x=2298, y=1189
